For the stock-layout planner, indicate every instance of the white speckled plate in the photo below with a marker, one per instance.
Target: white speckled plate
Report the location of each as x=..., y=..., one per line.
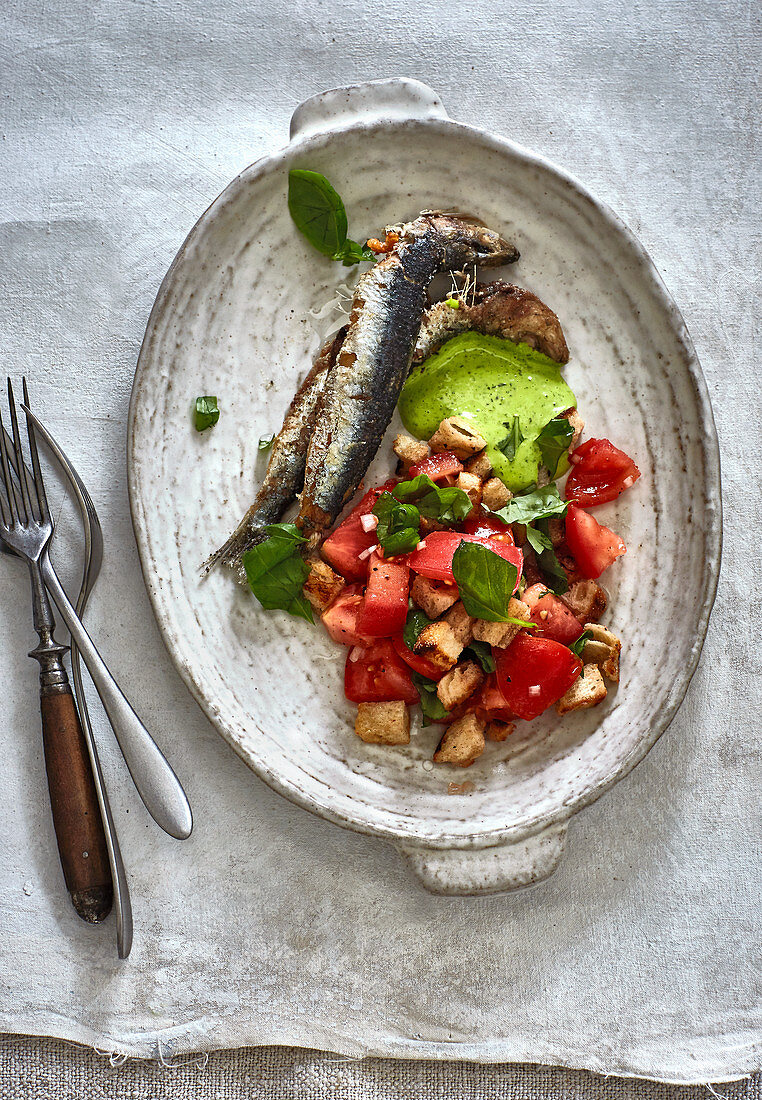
x=233, y=318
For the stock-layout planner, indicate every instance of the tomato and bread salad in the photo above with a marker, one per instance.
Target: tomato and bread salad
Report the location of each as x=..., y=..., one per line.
x=467, y=583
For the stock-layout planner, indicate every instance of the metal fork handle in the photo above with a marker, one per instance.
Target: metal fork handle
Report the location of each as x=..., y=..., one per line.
x=152, y=775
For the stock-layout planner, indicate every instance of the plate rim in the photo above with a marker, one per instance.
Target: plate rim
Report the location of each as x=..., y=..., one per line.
x=421, y=833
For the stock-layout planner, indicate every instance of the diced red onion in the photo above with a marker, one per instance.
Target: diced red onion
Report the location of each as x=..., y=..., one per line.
x=534, y=689
x=355, y=653
x=369, y=522
x=367, y=553
x=628, y=481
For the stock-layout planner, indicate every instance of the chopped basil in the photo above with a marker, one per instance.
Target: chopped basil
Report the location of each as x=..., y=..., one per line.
x=481, y=652
x=276, y=571
x=431, y=706
x=398, y=524
x=414, y=624
x=266, y=442
x=539, y=504
x=513, y=440
x=486, y=581
x=205, y=413
x=553, y=441
x=318, y=213
x=579, y=645
x=537, y=540
x=445, y=505
x=453, y=303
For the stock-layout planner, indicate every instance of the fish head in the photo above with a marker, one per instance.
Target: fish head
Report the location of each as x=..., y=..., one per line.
x=468, y=240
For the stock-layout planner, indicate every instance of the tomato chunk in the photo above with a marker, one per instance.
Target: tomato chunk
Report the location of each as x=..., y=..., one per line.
x=489, y=528
x=434, y=559
x=386, y=596
x=534, y=673
x=343, y=546
x=415, y=661
x=341, y=618
x=600, y=472
x=490, y=703
x=377, y=675
x=437, y=466
x=554, y=619
x=593, y=546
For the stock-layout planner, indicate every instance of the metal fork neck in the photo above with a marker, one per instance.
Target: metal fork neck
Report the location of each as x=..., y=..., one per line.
x=49, y=653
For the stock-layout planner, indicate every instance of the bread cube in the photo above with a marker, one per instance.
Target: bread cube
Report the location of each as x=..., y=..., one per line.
x=587, y=600
x=461, y=623
x=480, y=465
x=438, y=644
x=459, y=436
x=499, y=731
x=409, y=450
x=603, y=649
x=459, y=684
x=495, y=494
x=502, y=634
x=383, y=723
x=462, y=742
x=471, y=486
x=433, y=597
x=322, y=585
x=586, y=691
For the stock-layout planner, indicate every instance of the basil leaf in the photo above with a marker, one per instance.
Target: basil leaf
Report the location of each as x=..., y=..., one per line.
x=317, y=211
x=446, y=505
x=354, y=253
x=553, y=571
x=553, y=441
x=276, y=571
x=266, y=442
x=205, y=413
x=414, y=624
x=431, y=706
x=539, y=504
x=482, y=653
x=579, y=645
x=538, y=541
x=398, y=525
x=486, y=581
x=513, y=440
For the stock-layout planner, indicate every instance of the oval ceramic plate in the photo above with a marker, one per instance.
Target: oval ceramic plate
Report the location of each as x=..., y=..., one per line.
x=235, y=317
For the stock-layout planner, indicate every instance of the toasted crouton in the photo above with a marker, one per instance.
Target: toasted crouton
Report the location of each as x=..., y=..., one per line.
x=383, y=723
x=433, y=597
x=459, y=436
x=471, y=486
x=587, y=600
x=322, y=585
x=459, y=684
x=480, y=465
x=461, y=623
x=495, y=494
x=499, y=731
x=586, y=691
x=463, y=741
x=502, y=634
x=409, y=450
x=578, y=426
x=603, y=649
x=557, y=530
x=438, y=643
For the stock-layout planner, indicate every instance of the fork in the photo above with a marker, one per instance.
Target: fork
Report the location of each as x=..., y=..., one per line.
x=27, y=528
x=93, y=558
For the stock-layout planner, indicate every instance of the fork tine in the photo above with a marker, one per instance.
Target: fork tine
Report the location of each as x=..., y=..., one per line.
x=9, y=515
x=25, y=498
x=39, y=484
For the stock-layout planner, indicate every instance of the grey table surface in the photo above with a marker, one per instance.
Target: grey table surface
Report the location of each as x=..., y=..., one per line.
x=653, y=104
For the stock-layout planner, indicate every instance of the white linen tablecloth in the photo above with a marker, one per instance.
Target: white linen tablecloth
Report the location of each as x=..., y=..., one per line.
x=121, y=121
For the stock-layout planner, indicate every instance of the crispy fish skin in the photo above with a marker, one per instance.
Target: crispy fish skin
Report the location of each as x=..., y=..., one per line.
x=285, y=470
x=497, y=309
x=362, y=391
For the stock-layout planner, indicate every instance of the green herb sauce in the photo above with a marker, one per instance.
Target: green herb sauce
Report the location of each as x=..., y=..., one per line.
x=489, y=381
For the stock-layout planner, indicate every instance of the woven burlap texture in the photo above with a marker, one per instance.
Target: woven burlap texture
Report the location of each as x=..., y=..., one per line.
x=35, y=1069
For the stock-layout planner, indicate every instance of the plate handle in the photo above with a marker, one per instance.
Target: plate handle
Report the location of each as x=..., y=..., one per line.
x=338, y=108
x=474, y=871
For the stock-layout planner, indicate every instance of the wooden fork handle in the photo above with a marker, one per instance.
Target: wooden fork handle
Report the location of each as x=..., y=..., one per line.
x=76, y=813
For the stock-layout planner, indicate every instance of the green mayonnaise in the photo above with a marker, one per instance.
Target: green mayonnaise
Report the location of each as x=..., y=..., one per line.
x=489, y=381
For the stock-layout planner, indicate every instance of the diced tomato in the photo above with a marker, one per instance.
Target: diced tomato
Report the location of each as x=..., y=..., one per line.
x=341, y=618
x=343, y=546
x=593, y=547
x=553, y=617
x=489, y=702
x=418, y=663
x=434, y=559
x=386, y=596
x=437, y=466
x=599, y=473
x=377, y=675
x=488, y=527
x=533, y=673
